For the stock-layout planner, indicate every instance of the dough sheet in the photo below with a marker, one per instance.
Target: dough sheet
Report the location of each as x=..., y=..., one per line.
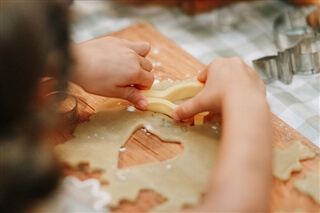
x=182, y=180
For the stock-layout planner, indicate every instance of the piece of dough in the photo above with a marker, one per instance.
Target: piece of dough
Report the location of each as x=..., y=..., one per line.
x=162, y=100
x=182, y=180
x=310, y=185
x=166, y=107
x=179, y=91
x=287, y=161
x=199, y=118
x=161, y=105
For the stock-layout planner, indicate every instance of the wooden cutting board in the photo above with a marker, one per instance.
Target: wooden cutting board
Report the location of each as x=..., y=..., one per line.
x=172, y=62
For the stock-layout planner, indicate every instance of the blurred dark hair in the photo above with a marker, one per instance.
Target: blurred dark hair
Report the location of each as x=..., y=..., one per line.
x=30, y=32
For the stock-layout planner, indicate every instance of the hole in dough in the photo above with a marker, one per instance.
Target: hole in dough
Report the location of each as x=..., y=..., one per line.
x=153, y=148
x=146, y=200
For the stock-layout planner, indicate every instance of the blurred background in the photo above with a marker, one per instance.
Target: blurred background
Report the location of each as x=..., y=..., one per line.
x=208, y=29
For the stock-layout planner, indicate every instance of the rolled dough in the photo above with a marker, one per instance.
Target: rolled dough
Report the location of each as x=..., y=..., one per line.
x=287, y=161
x=182, y=180
x=310, y=185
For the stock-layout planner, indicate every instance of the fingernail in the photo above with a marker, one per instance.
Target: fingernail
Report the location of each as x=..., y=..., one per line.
x=175, y=116
x=142, y=104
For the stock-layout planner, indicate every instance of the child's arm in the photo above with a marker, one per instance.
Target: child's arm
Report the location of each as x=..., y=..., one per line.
x=242, y=177
x=113, y=67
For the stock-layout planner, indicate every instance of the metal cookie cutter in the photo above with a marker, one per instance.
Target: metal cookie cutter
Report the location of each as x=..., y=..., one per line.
x=162, y=100
x=291, y=26
x=66, y=106
x=62, y=103
x=300, y=47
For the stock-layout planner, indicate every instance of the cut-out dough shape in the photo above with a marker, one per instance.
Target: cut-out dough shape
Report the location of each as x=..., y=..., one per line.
x=182, y=180
x=161, y=100
x=287, y=161
x=161, y=105
x=179, y=91
x=166, y=107
x=310, y=185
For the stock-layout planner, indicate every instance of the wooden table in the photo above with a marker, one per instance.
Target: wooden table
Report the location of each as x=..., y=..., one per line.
x=175, y=63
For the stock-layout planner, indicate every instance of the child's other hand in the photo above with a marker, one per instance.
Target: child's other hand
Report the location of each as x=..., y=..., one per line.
x=226, y=80
x=113, y=67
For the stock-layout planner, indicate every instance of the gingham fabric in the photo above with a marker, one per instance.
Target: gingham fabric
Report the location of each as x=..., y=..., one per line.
x=243, y=29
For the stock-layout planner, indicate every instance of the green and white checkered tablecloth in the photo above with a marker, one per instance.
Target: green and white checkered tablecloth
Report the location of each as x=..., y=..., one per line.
x=243, y=29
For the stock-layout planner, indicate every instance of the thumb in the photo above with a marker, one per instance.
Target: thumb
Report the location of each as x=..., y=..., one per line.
x=133, y=95
x=190, y=108
x=142, y=48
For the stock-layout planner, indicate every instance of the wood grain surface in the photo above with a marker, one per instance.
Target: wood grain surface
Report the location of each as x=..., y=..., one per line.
x=174, y=63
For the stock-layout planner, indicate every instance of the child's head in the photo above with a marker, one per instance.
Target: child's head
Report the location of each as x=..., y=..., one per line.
x=31, y=31
x=34, y=41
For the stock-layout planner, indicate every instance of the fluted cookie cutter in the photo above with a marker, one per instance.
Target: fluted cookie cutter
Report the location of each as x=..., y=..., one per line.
x=299, y=50
x=162, y=100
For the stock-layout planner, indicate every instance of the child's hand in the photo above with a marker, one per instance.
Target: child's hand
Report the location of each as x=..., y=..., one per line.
x=224, y=79
x=113, y=67
x=234, y=89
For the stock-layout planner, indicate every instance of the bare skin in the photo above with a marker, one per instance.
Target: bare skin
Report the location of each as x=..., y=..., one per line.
x=242, y=177
x=231, y=88
x=113, y=67
x=117, y=68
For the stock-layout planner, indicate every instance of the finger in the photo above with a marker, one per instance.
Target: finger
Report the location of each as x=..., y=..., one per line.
x=145, y=80
x=145, y=64
x=202, y=77
x=134, y=96
x=142, y=48
x=190, y=108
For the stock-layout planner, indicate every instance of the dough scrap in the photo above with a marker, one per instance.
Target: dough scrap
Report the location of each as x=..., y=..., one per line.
x=310, y=186
x=287, y=161
x=182, y=179
x=178, y=91
x=162, y=100
x=161, y=105
x=166, y=107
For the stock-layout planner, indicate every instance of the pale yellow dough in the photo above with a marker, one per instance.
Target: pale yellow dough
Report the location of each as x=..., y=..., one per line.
x=178, y=91
x=182, y=180
x=310, y=185
x=161, y=105
x=161, y=100
x=287, y=161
